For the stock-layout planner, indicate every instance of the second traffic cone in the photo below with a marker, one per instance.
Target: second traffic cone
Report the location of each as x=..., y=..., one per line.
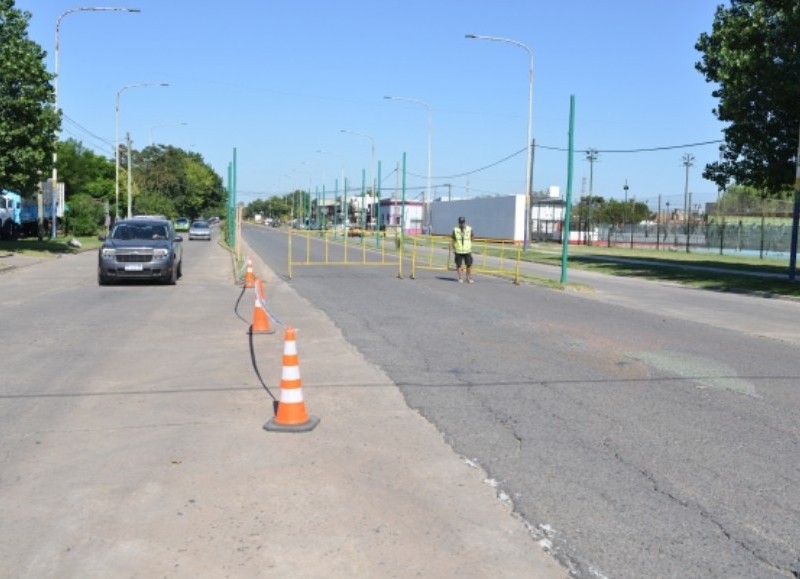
x=291, y=415
x=260, y=323
x=249, y=277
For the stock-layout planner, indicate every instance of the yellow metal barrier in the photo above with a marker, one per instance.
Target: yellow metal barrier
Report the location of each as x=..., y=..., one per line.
x=490, y=256
x=329, y=248
x=426, y=252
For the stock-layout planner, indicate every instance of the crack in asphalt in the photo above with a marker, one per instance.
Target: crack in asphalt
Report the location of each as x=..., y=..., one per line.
x=705, y=514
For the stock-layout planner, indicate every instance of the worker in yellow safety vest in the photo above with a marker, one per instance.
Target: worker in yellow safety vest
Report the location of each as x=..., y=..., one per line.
x=462, y=247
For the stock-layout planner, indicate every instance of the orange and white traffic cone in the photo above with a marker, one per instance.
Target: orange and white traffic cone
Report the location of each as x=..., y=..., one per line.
x=249, y=278
x=291, y=415
x=260, y=323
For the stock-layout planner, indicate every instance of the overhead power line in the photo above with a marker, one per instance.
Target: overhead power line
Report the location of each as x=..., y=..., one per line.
x=561, y=149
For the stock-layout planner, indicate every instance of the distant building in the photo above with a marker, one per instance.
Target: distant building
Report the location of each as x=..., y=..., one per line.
x=547, y=218
x=501, y=217
x=392, y=212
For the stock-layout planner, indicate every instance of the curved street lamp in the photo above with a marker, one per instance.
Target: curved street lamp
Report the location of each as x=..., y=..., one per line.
x=55, y=82
x=116, y=143
x=529, y=143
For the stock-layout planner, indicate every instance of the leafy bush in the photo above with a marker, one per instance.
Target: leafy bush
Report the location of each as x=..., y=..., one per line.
x=85, y=215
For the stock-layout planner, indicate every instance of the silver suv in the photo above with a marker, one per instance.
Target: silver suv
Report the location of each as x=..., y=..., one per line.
x=141, y=248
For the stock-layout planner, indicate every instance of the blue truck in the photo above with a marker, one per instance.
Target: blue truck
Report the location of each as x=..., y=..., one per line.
x=19, y=217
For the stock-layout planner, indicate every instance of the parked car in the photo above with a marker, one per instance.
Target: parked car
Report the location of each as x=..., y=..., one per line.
x=143, y=249
x=199, y=229
x=182, y=224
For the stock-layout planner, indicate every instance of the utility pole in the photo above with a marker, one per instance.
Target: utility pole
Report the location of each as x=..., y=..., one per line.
x=688, y=161
x=130, y=175
x=658, y=223
x=625, y=208
x=795, y=217
x=591, y=156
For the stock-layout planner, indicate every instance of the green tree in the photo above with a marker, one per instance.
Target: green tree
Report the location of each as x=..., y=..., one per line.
x=620, y=213
x=177, y=181
x=84, y=172
x=752, y=54
x=588, y=207
x=152, y=203
x=274, y=207
x=28, y=120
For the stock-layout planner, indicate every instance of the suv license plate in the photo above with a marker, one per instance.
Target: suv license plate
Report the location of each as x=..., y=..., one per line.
x=134, y=267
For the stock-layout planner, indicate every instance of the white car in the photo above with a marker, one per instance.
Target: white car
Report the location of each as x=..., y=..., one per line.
x=200, y=229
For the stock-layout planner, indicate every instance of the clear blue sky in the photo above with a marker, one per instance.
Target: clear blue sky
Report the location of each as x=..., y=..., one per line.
x=279, y=81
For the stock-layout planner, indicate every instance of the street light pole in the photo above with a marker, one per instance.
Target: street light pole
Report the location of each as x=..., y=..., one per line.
x=344, y=187
x=427, y=193
x=164, y=125
x=372, y=158
x=529, y=141
x=55, y=82
x=116, y=141
x=591, y=156
x=688, y=161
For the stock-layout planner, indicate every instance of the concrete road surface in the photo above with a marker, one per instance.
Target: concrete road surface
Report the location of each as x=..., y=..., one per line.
x=132, y=443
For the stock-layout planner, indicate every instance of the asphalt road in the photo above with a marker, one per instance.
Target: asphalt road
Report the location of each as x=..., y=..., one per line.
x=131, y=442
x=646, y=430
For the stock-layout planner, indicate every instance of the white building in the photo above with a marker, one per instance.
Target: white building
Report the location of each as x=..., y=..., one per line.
x=392, y=211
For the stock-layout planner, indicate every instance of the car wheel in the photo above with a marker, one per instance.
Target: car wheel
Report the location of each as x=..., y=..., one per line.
x=180, y=268
x=102, y=280
x=173, y=278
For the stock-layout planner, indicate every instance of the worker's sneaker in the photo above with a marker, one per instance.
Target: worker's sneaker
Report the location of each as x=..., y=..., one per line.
x=460, y=280
x=470, y=280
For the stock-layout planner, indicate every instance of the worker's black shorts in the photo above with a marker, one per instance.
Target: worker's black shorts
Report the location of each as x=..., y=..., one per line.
x=465, y=258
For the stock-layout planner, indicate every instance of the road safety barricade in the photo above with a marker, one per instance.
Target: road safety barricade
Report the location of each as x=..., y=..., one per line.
x=490, y=256
x=332, y=248
x=429, y=252
x=418, y=252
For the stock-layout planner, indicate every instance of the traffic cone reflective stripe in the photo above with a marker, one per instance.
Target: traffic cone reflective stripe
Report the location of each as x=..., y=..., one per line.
x=260, y=315
x=249, y=278
x=291, y=415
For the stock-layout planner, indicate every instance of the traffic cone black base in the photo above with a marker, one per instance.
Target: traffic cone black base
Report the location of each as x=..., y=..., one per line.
x=273, y=426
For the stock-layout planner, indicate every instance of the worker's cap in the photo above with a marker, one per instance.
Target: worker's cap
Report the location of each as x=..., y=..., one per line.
x=462, y=220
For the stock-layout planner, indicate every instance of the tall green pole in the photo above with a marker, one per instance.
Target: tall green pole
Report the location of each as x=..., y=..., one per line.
x=568, y=203
x=362, y=211
x=403, y=210
x=308, y=215
x=378, y=207
x=232, y=201
x=233, y=196
x=229, y=210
